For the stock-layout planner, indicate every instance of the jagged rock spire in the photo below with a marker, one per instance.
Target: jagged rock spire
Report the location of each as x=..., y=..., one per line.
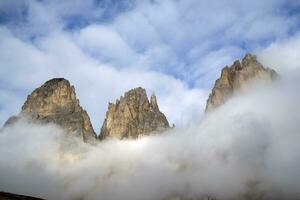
x=236, y=78
x=133, y=116
x=153, y=103
x=55, y=102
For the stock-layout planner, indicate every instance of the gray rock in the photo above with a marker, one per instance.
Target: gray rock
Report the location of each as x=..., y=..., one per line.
x=55, y=102
x=236, y=79
x=133, y=116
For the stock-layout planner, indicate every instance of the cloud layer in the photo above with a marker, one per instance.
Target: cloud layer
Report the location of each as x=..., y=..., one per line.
x=96, y=83
x=254, y=145
x=172, y=48
x=175, y=48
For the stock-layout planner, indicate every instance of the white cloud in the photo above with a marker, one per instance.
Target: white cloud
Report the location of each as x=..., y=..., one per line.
x=162, y=46
x=183, y=26
x=165, y=46
x=104, y=43
x=282, y=55
x=145, y=33
x=213, y=61
x=253, y=145
x=96, y=83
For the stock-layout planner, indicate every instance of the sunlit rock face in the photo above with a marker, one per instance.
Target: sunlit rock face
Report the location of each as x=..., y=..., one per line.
x=133, y=116
x=55, y=102
x=236, y=79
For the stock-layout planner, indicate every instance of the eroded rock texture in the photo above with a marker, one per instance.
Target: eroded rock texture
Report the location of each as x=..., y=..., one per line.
x=236, y=79
x=133, y=116
x=55, y=102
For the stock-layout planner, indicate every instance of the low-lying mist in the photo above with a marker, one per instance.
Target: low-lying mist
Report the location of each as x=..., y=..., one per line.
x=249, y=145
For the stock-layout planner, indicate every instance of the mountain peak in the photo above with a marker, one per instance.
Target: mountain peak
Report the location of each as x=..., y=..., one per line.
x=55, y=102
x=133, y=116
x=249, y=56
x=56, y=80
x=153, y=102
x=237, y=78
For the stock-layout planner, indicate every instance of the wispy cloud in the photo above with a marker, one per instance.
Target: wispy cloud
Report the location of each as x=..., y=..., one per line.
x=175, y=48
x=96, y=83
x=282, y=55
x=242, y=147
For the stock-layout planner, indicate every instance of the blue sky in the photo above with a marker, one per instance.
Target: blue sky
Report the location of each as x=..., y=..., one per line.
x=173, y=47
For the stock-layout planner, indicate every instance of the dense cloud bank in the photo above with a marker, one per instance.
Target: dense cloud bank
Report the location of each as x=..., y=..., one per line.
x=251, y=144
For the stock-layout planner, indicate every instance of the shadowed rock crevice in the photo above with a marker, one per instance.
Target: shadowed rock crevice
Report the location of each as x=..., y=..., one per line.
x=236, y=79
x=133, y=116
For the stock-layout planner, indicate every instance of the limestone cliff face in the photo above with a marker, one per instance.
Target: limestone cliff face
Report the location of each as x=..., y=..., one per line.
x=236, y=79
x=133, y=116
x=55, y=102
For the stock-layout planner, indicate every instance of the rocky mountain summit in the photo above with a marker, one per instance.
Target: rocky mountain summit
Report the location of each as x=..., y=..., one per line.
x=133, y=116
x=236, y=79
x=55, y=102
x=130, y=117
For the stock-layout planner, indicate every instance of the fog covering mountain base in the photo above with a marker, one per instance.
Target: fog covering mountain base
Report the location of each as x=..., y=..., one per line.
x=249, y=145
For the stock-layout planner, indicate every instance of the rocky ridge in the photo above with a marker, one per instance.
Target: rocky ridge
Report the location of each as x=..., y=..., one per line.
x=133, y=116
x=236, y=79
x=55, y=102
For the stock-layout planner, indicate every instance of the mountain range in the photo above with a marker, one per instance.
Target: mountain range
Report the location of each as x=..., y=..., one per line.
x=133, y=115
